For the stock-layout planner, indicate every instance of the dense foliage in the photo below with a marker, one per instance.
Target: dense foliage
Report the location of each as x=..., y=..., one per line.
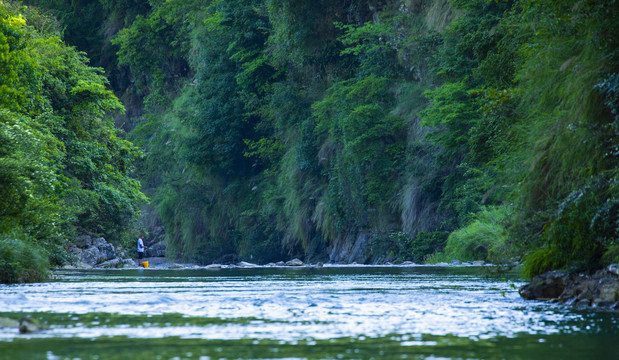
x=63, y=168
x=361, y=131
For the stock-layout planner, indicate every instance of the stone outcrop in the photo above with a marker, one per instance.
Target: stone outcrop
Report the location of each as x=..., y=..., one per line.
x=598, y=289
x=88, y=252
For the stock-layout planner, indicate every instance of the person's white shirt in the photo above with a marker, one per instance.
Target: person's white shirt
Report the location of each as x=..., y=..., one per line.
x=140, y=245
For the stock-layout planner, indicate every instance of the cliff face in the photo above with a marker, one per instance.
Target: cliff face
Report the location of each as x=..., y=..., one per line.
x=352, y=249
x=368, y=131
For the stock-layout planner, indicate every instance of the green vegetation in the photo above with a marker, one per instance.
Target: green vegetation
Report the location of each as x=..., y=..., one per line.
x=21, y=262
x=485, y=238
x=270, y=129
x=63, y=168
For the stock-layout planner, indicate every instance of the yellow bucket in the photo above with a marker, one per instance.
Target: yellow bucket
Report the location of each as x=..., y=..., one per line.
x=145, y=264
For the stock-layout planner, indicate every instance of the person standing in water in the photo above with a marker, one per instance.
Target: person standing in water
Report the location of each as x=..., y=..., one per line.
x=141, y=249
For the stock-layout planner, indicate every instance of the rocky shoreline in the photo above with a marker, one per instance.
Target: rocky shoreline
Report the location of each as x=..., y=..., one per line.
x=98, y=254
x=600, y=289
x=88, y=252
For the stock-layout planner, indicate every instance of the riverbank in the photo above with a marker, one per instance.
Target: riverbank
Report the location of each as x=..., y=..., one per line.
x=600, y=289
x=165, y=264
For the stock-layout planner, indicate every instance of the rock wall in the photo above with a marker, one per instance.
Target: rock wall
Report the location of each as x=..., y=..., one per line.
x=351, y=249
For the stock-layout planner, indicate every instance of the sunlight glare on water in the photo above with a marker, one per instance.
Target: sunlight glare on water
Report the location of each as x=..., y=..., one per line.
x=410, y=306
x=294, y=305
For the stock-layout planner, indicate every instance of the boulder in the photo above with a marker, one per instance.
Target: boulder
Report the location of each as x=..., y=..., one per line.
x=607, y=294
x=83, y=241
x=598, y=289
x=113, y=263
x=98, y=242
x=613, y=269
x=455, y=262
x=106, y=252
x=87, y=252
x=28, y=325
x=116, y=263
x=74, y=252
x=294, y=262
x=546, y=286
x=90, y=255
x=479, y=263
x=128, y=263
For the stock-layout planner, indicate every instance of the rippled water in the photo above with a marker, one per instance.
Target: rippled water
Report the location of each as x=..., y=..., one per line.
x=297, y=313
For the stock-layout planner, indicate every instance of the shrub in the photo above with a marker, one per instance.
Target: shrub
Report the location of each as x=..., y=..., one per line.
x=425, y=244
x=21, y=262
x=482, y=239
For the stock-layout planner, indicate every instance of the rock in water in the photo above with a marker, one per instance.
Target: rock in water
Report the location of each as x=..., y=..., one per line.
x=598, y=289
x=28, y=325
x=246, y=264
x=8, y=323
x=545, y=286
x=294, y=262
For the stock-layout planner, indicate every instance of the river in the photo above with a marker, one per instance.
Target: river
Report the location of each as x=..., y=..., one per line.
x=338, y=312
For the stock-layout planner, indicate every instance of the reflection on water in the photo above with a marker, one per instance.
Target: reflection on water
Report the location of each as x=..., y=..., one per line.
x=331, y=312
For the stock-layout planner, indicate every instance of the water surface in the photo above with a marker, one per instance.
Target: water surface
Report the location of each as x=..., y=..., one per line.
x=298, y=313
